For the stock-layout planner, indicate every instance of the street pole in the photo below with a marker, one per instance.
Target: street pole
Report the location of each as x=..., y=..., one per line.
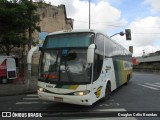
x=89, y=15
x=29, y=48
x=30, y=30
x=121, y=33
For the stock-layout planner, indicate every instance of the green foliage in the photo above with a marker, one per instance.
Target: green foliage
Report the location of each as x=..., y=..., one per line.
x=16, y=17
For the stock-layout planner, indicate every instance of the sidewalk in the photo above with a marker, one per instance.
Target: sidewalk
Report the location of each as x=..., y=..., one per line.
x=19, y=87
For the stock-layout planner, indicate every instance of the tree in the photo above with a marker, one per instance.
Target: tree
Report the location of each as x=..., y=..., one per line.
x=15, y=21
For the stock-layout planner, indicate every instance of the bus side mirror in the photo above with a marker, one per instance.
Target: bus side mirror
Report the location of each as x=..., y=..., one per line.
x=90, y=53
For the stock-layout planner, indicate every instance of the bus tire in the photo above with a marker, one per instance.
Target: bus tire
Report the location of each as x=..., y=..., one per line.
x=128, y=78
x=107, y=92
x=4, y=80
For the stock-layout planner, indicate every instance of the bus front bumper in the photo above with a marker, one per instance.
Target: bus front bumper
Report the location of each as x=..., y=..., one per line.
x=72, y=99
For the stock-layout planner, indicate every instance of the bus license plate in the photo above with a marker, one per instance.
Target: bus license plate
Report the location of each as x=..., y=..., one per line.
x=58, y=99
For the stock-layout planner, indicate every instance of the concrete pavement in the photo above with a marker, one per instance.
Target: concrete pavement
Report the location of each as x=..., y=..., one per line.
x=19, y=87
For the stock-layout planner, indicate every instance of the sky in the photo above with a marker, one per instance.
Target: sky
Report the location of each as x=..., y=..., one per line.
x=114, y=16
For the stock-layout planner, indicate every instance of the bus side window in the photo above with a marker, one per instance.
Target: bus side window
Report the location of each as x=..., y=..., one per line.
x=98, y=62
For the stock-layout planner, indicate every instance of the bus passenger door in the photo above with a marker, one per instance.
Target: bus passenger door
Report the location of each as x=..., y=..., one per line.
x=98, y=76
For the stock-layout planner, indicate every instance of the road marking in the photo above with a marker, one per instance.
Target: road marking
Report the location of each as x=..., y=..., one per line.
x=30, y=98
x=19, y=103
x=108, y=118
x=152, y=84
x=148, y=87
x=110, y=104
x=32, y=95
x=111, y=110
x=46, y=102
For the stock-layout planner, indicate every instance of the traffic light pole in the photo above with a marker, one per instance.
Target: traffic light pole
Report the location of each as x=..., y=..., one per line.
x=127, y=33
x=121, y=33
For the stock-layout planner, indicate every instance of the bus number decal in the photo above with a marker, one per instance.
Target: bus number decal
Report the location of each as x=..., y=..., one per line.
x=107, y=68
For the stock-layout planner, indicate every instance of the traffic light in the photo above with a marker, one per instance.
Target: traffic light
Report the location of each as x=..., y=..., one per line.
x=131, y=49
x=128, y=34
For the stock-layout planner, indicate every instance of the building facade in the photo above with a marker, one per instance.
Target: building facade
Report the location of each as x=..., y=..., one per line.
x=53, y=18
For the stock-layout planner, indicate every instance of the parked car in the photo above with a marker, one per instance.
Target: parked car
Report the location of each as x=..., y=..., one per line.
x=7, y=69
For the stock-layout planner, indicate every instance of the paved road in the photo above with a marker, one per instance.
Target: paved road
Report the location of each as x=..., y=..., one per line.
x=142, y=94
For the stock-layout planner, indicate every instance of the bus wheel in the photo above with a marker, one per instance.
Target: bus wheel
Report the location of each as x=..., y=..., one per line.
x=128, y=78
x=4, y=80
x=107, y=92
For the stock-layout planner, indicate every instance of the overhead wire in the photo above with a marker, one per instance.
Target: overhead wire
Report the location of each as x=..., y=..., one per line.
x=150, y=27
x=106, y=23
x=100, y=23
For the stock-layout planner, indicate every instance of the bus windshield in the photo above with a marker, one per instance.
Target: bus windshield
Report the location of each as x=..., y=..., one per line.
x=68, y=40
x=65, y=66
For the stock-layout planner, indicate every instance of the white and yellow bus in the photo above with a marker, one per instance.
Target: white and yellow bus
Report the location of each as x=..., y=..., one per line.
x=81, y=67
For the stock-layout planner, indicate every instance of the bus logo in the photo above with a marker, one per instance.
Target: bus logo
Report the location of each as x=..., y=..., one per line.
x=98, y=92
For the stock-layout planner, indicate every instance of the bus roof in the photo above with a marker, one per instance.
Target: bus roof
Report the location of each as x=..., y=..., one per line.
x=72, y=31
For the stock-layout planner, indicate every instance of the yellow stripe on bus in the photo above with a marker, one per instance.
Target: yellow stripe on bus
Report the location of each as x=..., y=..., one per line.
x=73, y=87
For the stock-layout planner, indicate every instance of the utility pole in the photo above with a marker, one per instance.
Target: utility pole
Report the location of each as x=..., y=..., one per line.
x=30, y=30
x=29, y=48
x=89, y=15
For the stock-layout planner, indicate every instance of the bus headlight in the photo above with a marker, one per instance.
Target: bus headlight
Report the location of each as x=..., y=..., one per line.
x=41, y=89
x=81, y=93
